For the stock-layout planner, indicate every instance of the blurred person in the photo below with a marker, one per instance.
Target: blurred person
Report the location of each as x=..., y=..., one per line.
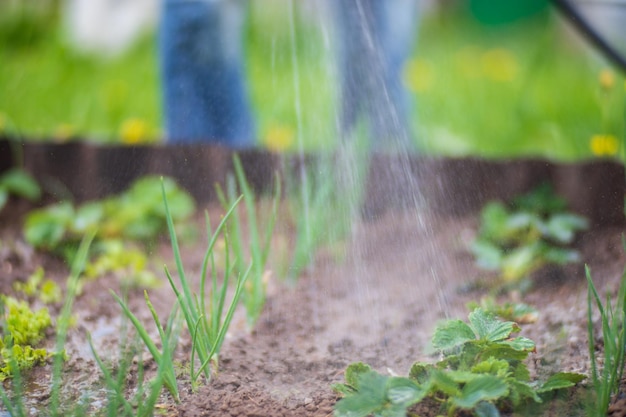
x=376, y=37
x=205, y=97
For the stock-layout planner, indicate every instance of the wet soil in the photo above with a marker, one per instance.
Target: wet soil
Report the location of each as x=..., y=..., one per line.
x=374, y=297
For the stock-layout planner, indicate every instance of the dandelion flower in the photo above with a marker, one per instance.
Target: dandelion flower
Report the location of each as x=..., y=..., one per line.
x=419, y=75
x=279, y=138
x=607, y=79
x=604, y=145
x=134, y=131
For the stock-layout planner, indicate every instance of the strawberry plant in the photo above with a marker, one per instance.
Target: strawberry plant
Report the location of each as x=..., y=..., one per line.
x=518, y=239
x=18, y=183
x=481, y=371
x=120, y=223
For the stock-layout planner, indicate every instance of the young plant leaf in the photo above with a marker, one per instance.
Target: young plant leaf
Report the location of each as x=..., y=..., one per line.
x=488, y=327
x=480, y=388
x=452, y=334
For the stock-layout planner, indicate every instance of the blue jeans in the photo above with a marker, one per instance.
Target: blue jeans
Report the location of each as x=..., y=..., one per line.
x=375, y=39
x=202, y=72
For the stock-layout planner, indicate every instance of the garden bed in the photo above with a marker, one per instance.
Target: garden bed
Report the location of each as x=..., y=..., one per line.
x=373, y=297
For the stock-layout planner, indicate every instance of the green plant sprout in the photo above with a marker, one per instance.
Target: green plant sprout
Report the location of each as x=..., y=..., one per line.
x=134, y=217
x=517, y=241
x=207, y=327
x=22, y=329
x=18, y=183
x=169, y=340
x=482, y=371
x=520, y=313
x=143, y=402
x=317, y=205
x=254, y=294
x=46, y=290
x=613, y=316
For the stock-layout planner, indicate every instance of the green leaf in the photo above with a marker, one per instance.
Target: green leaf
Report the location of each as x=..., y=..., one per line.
x=481, y=388
x=4, y=197
x=521, y=343
x=493, y=366
x=369, y=399
x=46, y=228
x=520, y=262
x=488, y=255
x=563, y=227
x=486, y=409
x=20, y=183
x=404, y=392
x=420, y=372
x=442, y=381
x=452, y=334
x=354, y=372
x=488, y=327
x=559, y=381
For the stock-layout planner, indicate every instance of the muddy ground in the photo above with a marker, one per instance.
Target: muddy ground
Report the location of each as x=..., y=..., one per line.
x=374, y=297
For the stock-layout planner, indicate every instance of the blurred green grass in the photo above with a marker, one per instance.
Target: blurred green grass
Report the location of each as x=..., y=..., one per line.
x=518, y=90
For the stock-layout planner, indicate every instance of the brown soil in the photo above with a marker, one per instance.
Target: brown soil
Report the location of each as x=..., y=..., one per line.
x=374, y=298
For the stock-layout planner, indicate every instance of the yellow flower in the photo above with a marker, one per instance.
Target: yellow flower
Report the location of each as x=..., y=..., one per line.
x=64, y=131
x=419, y=75
x=134, y=131
x=604, y=145
x=499, y=64
x=279, y=138
x=607, y=79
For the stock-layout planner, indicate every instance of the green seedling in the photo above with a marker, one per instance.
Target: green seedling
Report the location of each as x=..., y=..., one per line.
x=18, y=183
x=143, y=402
x=208, y=326
x=482, y=371
x=136, y=215
x=606, y=380
x=46, y=290
x=517, y=241
x=518, y=312
x=316, y=205
x=254, y=293
x=169, y=340
x=115, y=256
x=22, y=330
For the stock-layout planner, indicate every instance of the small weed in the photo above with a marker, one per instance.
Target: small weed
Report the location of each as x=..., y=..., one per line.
x=482, y=370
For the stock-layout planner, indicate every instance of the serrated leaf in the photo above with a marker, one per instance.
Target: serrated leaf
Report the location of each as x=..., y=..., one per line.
x=521, y=343
x=441, y=381
x=493, y=366
x=488, y=327
x=481, y=388
x=559, y=381
x=370, y=397
x=451, y=334
x=420, y=372
x=354, y=371
x=403, y=391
